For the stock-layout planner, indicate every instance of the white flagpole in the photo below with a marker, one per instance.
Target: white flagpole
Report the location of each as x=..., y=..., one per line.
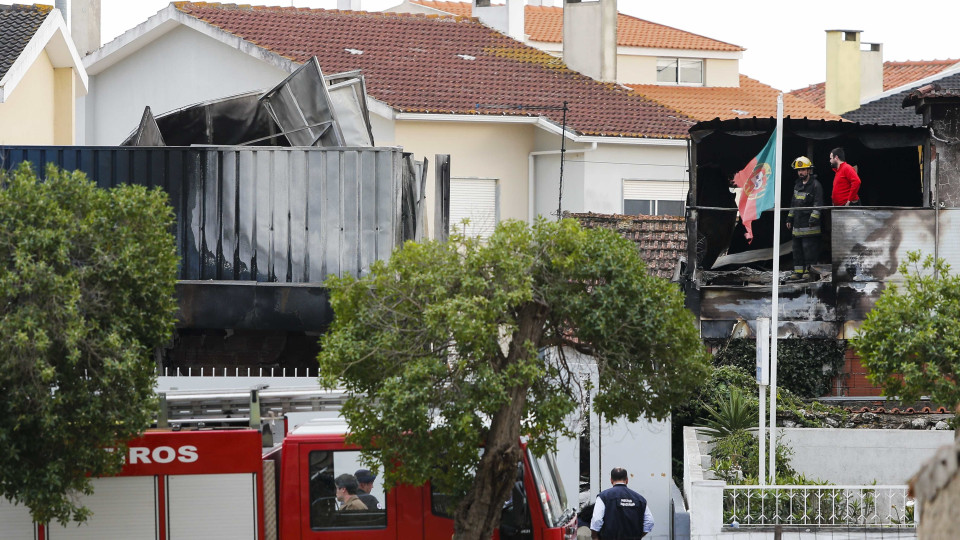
x=775, y=295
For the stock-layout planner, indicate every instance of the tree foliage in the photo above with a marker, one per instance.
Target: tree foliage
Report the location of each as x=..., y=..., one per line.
x=452, y=345
x=910, y=341
x=86, y=294
x=806, y=367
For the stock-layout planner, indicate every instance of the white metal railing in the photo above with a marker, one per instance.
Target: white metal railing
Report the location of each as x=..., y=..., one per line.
x=208, y=371
x=827, y=506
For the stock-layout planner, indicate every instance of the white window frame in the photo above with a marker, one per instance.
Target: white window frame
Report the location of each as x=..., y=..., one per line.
x=654, y=190
x=472, y=228
x=678, y=82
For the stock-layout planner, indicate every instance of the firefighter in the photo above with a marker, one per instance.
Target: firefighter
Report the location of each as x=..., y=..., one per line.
x=805, y=224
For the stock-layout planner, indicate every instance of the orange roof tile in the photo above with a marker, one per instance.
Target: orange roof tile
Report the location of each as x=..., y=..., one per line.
x=751, y=98
x=895, y=75
x=444, y=65
x=545, y=24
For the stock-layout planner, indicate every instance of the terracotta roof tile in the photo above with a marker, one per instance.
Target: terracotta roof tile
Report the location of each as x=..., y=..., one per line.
x=662, y=240
x=751, y=98
x=18, y=24
x=428, y=64
x=895, y=75
x=545, y=24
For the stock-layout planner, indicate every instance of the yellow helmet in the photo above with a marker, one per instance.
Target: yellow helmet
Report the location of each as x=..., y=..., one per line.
x=802, y=162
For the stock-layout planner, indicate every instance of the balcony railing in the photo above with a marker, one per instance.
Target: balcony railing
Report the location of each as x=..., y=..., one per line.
x=818, y=506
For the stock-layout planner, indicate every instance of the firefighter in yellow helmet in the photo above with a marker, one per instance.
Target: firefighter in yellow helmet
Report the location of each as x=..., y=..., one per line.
x=805, y=223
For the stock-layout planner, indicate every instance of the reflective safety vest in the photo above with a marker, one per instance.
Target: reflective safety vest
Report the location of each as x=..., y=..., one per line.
x=806, y=222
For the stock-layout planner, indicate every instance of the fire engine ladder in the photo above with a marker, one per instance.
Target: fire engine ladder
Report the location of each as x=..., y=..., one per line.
x=241, y=408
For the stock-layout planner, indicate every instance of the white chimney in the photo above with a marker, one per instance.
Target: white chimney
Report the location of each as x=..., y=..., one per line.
x=590, y=38
x=505, y=18
x=348, y=5
x=83, y=23
x=871, y=70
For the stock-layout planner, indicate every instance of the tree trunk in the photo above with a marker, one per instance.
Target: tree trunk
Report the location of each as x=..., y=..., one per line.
x=479, y=512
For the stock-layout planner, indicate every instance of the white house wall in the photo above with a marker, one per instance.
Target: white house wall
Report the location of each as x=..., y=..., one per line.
x=593, y=179
x=180, y=68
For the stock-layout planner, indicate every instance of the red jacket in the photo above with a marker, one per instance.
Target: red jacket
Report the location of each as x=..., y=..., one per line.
x=846, y=185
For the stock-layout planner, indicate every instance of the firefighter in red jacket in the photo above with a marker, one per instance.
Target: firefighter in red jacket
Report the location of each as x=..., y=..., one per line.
x=846, y=182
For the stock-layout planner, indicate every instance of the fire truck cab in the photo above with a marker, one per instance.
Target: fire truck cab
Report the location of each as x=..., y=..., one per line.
x=226, y=483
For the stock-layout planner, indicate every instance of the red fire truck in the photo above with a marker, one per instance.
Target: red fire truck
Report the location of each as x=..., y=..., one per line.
x=196, y=478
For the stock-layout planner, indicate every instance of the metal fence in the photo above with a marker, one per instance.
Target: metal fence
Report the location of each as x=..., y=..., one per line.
x=818, y=506
x=266, y=214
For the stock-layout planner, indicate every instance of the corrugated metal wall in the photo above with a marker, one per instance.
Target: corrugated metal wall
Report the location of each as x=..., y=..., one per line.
x=257, y=214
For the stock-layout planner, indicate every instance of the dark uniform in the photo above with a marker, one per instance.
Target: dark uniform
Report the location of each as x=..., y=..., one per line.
x=623, y=515
x=805, y=225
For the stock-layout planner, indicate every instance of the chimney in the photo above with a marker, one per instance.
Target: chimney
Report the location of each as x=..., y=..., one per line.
x=83, y=23
x=871, y=70
x=348, y=5
x=504, y=18
x=64, y=7
x=590, y=38
x=843, y=71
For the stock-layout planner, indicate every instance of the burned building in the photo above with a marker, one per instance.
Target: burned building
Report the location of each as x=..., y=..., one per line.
x=272, y=193
x=906, y=205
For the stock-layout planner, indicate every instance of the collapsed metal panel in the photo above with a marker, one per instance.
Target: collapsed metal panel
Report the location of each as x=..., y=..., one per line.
x=349, y=100
x=869, y=244
x=289, y=215
x=301, y=106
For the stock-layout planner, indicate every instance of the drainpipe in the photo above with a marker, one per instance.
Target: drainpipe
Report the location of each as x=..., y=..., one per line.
x=532, y=179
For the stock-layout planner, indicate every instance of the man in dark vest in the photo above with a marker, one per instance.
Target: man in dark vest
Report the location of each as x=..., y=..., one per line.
x=620, y=513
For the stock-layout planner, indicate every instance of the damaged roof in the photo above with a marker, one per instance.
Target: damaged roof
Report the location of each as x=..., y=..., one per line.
x=751, y=98
x=545, y=24
x=662, y=240
x=895, y=75
x=18, y=24
x=444, y=65
x=890, y=109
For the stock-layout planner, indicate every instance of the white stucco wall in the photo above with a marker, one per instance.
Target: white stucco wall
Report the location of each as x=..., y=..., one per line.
x=180, y=68
x=721, y=72
x=633, y=69
x=477, y=150
x=861, y=456
x=642, y=448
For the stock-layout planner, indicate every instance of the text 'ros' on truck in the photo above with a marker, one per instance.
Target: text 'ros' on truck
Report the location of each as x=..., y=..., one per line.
x=225, y=483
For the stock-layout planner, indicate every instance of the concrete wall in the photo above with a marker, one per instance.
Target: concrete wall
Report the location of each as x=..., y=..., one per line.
x=180, y=68
x=862, y=456
x=721, y=72
x=28, y=116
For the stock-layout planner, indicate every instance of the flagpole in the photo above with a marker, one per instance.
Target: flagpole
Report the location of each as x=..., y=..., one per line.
x=775, y=294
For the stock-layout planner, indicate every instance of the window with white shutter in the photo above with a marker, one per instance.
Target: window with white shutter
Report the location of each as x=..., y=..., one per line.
x=654, y=197
x=476, y=199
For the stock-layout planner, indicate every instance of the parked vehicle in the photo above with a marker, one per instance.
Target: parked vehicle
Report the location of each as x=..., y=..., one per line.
x=203, y=482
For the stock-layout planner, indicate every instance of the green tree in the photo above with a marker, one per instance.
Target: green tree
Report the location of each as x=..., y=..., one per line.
x=86, y=294
x=449, y=346
x=910, y=341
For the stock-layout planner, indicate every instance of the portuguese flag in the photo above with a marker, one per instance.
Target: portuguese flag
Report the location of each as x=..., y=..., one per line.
x=756, y=182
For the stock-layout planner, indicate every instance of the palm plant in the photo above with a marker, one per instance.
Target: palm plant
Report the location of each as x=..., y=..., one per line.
x=731, y=416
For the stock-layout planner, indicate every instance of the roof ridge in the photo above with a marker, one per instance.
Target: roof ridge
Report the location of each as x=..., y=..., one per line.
x=947, y=61
x=185, y=5
x=648, y=21
x=42, y=8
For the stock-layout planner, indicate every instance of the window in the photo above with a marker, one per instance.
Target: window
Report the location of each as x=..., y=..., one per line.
x=478, y=200
x=654, y=197
x=680, y=71
x=337, y=498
